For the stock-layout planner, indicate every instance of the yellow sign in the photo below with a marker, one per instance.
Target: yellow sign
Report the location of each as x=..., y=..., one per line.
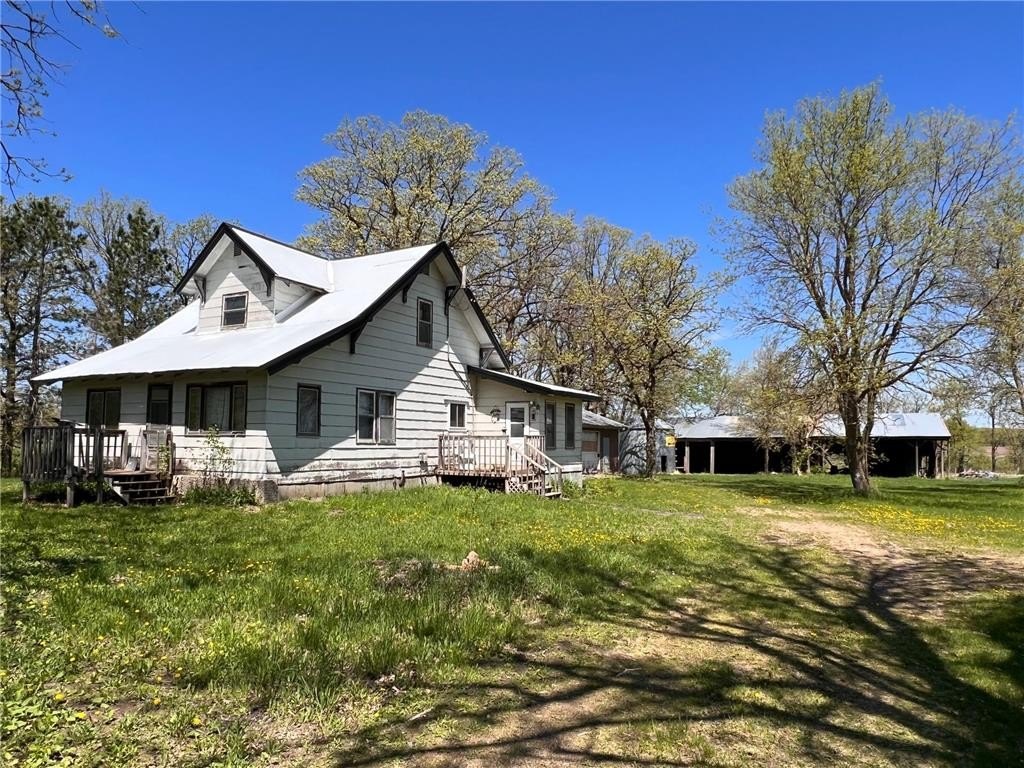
x=670, y=440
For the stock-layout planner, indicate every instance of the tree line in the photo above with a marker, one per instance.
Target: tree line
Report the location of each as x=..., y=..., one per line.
x=75, y=280
x=880, y=254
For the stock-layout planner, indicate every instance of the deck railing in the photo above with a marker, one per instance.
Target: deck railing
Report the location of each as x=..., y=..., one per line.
x=499, y=457
x=66, y=453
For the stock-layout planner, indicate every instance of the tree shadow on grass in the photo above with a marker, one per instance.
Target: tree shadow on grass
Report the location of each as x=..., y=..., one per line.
x=776, y=656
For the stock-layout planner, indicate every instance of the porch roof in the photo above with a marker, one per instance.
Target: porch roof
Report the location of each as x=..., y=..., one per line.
x=529, y=385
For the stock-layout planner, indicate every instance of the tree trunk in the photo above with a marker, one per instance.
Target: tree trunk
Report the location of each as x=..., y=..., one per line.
x=992, y=437
x=651, y=445
x=857, y=445
x=10, y=411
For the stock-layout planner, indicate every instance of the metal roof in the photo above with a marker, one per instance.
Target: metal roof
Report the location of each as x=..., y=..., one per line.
x=597, y=421
x=353, y=289
x=921, y=424
x=529, y=385
x=908, y=425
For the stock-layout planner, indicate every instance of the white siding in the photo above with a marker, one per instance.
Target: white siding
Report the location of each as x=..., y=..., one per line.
x=387, y=358
x=493, y=395
x=249, y=451
x=235, y=275
x=286, y=294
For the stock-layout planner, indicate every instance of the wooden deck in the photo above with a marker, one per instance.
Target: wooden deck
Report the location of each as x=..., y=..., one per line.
x=510, y=465
x=72, y=455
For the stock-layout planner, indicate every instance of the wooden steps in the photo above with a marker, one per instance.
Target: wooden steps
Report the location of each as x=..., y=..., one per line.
x=140, y=487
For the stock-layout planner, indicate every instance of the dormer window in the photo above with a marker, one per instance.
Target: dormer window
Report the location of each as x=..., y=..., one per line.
x=234, y=310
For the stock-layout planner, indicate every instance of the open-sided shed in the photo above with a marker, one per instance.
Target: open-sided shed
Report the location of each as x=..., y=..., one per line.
x=903, y=444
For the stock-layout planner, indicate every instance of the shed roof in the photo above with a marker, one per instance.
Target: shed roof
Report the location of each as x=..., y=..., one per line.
x=597, y=421
x=906, y=425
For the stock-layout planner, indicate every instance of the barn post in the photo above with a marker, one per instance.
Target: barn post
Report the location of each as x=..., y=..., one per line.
x=917, y=458
x=686, y=457
x=711, y=468
x=766, y=467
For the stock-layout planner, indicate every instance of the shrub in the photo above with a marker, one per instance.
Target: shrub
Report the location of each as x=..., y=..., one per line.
x=572, y=490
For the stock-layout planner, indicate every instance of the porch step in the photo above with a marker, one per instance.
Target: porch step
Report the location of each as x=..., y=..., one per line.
x=140, y=487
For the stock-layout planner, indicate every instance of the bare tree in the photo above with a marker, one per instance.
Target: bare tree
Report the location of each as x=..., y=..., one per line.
x=28, y=31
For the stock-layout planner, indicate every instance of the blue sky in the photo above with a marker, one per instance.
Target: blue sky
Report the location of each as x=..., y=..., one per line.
x=640, y=114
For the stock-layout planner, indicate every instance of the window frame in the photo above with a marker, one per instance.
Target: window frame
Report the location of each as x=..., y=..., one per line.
x=319, y=409
x=169, y=386
x=103, y=391
x=377, y=416
x=570, y=434
x=465, y=413
x=552, y=409
x=203, y=387
x=224, y=310
x=420, y=302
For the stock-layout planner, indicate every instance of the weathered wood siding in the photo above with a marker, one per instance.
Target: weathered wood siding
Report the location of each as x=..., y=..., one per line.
x=249, y=451
x=231, y=274
x=386, y=358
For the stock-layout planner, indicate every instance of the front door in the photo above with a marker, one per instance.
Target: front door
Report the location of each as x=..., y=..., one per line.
x=516, y=415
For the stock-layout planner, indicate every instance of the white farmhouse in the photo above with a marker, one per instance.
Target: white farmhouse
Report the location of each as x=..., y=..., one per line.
x=323, y=376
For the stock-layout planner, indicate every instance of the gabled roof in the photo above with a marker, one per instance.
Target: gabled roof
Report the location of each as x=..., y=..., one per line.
x=274, y=259
x=529, y=385
x=908, y=425
x=350, y=292
x=597, y=421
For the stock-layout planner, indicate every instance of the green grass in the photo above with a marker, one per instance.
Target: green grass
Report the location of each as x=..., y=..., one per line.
x=311, y=632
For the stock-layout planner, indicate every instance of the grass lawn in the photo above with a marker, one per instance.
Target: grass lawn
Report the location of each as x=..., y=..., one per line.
x=749, y=621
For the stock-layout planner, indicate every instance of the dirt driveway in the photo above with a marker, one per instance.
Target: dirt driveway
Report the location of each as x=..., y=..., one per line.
x=825, y=644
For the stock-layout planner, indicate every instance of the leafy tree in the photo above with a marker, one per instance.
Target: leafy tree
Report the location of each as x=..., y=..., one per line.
x=857, y=231
x=28, y=68
x=37, y=271
x=651, y=322
x=783, y=401
x=427, y=179
x=1000, y=298
x=128, y=271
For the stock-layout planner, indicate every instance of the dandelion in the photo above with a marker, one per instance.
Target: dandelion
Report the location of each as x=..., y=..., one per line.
x=59, y=696
x=196, y=722
x=79, y=715
x=156, y=702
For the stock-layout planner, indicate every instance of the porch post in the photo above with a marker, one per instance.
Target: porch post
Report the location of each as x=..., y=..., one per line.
x=98, y=463
x=917, y=458
x=711, y=468
x=686, y=457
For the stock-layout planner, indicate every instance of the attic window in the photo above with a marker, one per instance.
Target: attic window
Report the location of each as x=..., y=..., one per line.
x=234, y=310
x=424, y=323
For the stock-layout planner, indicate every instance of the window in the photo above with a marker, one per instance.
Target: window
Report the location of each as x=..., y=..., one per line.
x=307, y=410
x=221, y=407
x=158, y=404
x=570, y=425
x=549, y=426
x=424, y=323
x=234, y=308
x=103, y=408
x=456, y=415
x=375, y=417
